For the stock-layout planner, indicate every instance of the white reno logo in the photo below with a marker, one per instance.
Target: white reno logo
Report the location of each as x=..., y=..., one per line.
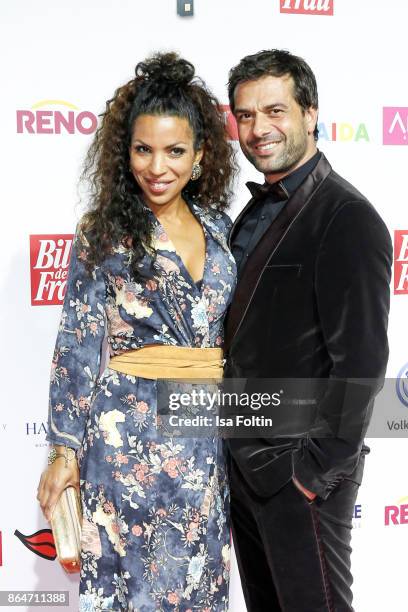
x=307, y=7
x=49, y=258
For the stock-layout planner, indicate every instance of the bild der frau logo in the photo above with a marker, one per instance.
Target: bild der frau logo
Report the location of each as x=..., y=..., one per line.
x=400, y=262
x=49, y=259
x=307, y=7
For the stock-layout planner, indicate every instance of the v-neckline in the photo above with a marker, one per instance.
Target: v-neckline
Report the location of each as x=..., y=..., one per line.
x=183, y=266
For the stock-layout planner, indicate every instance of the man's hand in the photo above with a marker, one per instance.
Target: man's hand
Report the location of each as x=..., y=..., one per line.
x=309, y=494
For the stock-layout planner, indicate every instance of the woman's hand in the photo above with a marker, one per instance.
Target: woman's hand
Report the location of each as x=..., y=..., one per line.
x=54, y=480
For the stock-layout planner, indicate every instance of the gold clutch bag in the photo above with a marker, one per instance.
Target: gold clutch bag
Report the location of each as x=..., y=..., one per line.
x=66, y=528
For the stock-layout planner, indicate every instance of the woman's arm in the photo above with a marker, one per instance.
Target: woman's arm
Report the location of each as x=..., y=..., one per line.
x=75, y=369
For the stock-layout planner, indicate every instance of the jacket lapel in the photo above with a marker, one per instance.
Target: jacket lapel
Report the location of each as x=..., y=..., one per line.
x=268, y=245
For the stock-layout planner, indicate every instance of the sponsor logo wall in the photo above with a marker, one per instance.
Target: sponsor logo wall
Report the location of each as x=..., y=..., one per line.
x=56, y=93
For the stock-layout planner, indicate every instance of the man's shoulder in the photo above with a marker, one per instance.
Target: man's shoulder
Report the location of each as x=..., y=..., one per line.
x=340, y=195
x=342, y=189
x=348, y=210
x=341, y=202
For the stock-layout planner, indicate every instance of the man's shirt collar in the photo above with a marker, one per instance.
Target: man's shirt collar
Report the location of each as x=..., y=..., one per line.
x=283, y=189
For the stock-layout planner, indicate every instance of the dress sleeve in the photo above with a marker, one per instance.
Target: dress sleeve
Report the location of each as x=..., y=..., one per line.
x=77, y=355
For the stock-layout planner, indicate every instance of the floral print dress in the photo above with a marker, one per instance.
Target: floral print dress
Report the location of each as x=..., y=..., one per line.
x=155, y=509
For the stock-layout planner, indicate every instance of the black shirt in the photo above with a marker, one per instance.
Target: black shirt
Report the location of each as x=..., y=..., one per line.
x=268, y=201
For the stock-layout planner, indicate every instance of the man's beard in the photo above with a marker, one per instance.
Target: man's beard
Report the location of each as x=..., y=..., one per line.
x=284, y=162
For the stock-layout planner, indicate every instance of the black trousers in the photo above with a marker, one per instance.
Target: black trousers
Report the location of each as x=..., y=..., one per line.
x=293, y=555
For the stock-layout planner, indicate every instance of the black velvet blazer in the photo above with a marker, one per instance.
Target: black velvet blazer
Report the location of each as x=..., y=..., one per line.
x=313, y=302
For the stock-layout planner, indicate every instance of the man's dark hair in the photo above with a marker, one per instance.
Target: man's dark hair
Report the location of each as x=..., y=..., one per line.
x=277, y=63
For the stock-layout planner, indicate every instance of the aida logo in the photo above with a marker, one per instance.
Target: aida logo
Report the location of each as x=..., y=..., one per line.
x=230, y=122
x=400, y=262
x=307, y=7
x=395, y=125
x=44, y=118
x=343, y=132
x=397, y=515
x=49, y=259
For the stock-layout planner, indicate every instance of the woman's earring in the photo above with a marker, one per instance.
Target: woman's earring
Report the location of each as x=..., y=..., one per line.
x=196, y=172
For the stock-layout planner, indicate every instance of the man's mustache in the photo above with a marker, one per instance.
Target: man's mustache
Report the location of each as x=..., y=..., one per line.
x=265, y=140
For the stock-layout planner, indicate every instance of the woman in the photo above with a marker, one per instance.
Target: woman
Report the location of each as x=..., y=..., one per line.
x=150, y=264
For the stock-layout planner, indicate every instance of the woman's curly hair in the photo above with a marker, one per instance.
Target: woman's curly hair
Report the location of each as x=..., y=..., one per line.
x=164, y=85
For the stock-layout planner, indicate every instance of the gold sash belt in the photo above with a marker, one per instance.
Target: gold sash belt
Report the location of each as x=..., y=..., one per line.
x=161, y=361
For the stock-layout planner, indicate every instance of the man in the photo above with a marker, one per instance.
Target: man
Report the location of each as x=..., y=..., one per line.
x=312, y=302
